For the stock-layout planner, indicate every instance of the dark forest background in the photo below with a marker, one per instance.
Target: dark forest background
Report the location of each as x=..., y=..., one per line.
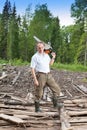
x=16, y=33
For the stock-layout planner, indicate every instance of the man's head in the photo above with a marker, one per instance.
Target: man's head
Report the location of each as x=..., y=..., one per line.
x=40, y=47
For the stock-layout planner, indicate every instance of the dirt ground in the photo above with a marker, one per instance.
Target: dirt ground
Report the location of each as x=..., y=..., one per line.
x=19, y=81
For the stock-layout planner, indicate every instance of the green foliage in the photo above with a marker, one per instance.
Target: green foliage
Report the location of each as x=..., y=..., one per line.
x=41, y=23
x=13, y=36
x=13, y=39
x=16, y=33
x=25, y=39
x=24, y=42
x=55, y=39
x=2, y=61
x=68, y=48
x=70, y=67
x=6, y=13
x=79, y=10
x=18, y=62
x=15, y=62
x=80, y=56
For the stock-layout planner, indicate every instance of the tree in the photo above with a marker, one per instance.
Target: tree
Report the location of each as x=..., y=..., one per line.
x=40, y=24
x=79, y=12
x=4, y=29
x=13, y=36
x=68, y=50
x=56, y=38
x=25, y=42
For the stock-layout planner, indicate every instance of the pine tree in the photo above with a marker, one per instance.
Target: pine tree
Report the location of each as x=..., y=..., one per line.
x=13, y=36
x=4, y=28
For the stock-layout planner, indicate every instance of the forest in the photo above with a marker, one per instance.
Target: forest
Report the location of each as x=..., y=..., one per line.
x=16, y=33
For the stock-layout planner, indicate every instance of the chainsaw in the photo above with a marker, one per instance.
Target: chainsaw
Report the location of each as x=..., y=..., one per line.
x=47, y=49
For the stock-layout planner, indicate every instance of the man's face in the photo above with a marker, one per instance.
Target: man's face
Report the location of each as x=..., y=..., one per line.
x=40, y=47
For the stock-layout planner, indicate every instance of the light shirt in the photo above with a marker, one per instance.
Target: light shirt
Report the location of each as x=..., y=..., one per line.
x=40, y=62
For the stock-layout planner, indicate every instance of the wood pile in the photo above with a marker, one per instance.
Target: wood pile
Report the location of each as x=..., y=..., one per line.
x=17, y=104
x=17, y=113
x=74, y=114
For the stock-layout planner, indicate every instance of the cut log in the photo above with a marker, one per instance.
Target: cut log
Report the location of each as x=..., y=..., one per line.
x=65, y=125
x=76, y=87
x=12, y=107
x=82, y=126
x=13, y=119
x=83, y=88
x=21, y=100
x=76, y=102
x=15, y=79
x=81, y=105
x=77, y=113
x=69, y=105
x=81, y=119
x=34, y=114
x=68, y=93
x=82, y=100
x=3, y=76
x=75, y=109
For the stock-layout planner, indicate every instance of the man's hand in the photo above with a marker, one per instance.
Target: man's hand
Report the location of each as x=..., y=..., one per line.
x=36, y=82
x=53, y=55
x=53, y=58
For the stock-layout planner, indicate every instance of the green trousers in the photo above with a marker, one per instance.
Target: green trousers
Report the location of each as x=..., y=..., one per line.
x=46, y=79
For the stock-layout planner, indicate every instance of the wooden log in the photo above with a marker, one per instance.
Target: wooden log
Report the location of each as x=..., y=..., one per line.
x=76, y=87
x=83, y=88
x=25, y=117
x=13, y=102
x=15, y=79
x=13, y=119
x=82, y=100
x=69, y=105
x=3, y=76
x=43, y=123
x=65, y=125
x=15, y=98
x=12, y=107
x=19, y=101
x=68, y=93
x=75, y=109
x=76, y=102
x=4, y=123
x=81, y=105
x=76, y=113
x=30, y=112
x=81, y=119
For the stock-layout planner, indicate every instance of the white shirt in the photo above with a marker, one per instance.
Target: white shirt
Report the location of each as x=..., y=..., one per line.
x=41, y=62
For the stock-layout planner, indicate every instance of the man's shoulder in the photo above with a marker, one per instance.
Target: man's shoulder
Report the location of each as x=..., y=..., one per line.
x=35, y=55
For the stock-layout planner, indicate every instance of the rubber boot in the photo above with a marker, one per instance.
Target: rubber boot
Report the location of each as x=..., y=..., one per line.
x=54, y=100
x=37, y=106
x=57, y=104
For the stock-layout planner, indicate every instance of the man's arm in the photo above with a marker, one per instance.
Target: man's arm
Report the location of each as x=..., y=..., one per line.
x=53, y=58
x=34, y=76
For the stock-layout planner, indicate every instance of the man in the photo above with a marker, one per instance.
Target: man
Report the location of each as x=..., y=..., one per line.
x=40, y=68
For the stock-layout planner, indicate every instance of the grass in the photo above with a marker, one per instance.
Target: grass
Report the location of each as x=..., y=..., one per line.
x=15, y=62
x=69, y=67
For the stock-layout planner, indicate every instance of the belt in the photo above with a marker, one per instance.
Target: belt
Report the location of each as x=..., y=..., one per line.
x=43, y=73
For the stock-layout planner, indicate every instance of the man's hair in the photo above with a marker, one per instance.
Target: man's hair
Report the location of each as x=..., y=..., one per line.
x=41, y=43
